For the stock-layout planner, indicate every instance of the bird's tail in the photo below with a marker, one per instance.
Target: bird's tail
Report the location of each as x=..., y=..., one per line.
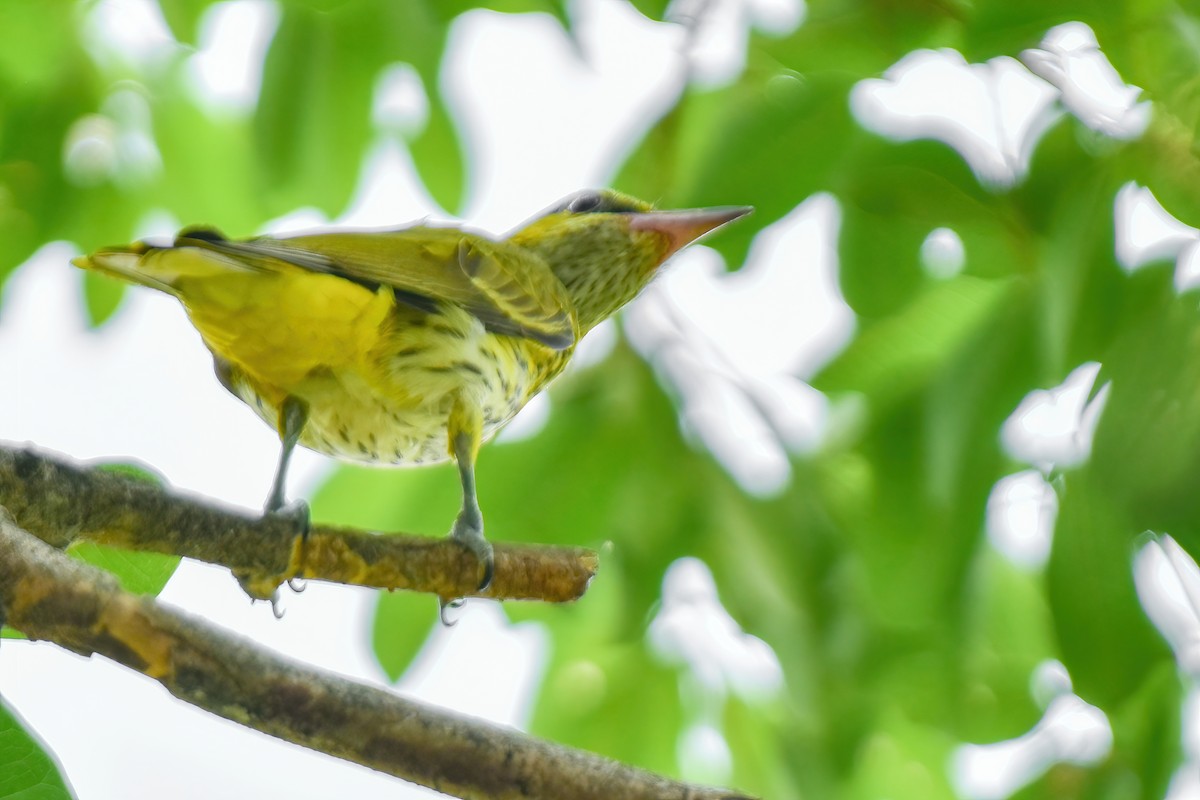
x=162, y=267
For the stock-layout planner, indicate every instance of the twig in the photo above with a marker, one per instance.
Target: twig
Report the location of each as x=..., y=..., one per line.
x=60, y=502
x=48, y=595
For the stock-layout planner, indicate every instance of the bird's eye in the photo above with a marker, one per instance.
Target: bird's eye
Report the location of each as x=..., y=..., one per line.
x=589, y=201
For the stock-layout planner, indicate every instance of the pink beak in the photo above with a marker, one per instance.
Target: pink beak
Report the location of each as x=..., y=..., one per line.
x=683, y=227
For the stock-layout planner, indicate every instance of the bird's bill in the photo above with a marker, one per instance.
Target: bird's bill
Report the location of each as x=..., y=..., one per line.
x=681, y=228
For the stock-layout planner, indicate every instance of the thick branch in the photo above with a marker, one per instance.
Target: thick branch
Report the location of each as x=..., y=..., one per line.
x=48, y=595
x=60, y=502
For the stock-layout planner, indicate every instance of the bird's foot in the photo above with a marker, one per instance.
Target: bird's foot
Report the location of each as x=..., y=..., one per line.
x=468, y=531
x=298, y=513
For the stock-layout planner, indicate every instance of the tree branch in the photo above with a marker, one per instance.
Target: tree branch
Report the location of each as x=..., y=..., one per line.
x=48, y=595
x=60, y=502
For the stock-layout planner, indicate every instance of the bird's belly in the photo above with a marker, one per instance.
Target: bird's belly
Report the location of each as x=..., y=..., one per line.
x=402, y=420
x=391, y=402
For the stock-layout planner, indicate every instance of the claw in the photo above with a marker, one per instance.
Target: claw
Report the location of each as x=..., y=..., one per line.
x=454, y=604
x=297, y=585
x=277, y=609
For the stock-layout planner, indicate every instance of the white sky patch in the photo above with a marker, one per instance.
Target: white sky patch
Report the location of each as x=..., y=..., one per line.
x=227, y=70
x=390, y=193
x=131, y=32
x=522, y=159
x=735, y=346
x=117, y=144
x=1055, y=427
x=156, y=224
x=1070, y=732
x=1071, y=59
x=1185, y=784
x=1146, y=233
x=704, y=756
x=450, y=672
x=90, y=150
x=721, y=32
x=692, y=629
x=992, y=113
x=942, y=254
x=296, y=221
x=1021, y=511
x=400, y=103
x=1168, y=585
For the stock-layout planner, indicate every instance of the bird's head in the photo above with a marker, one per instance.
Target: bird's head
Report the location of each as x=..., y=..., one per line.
x=605, y=246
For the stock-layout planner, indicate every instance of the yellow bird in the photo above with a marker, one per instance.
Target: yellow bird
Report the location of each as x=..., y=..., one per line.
x=414, y=345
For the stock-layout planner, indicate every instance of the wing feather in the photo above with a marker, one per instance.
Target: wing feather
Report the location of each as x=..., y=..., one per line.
x=510, y=290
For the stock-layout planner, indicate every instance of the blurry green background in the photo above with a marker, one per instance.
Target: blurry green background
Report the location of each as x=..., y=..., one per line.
x=867, y=626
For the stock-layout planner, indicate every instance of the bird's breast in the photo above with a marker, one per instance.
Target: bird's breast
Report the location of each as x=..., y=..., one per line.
x=392, y=405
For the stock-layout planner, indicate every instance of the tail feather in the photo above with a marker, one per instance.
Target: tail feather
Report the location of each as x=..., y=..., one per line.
x=159, y=267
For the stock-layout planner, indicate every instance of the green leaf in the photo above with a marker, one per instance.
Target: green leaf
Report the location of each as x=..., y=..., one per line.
x=27, y=771
x=1009, y=632
x=402, y=623
x=898, y=355
x=138, y=572
x=135, y=470
x=1108, y=645
x=183, y=17
x=10, y=633
x=40, y=47
x=313, y=120
x=903, y=760
x=652, y=9
x=102, y=296
x=1148, y=732
x=739, y=145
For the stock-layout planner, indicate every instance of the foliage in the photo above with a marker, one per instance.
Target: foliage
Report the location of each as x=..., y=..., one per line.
x=901, y=633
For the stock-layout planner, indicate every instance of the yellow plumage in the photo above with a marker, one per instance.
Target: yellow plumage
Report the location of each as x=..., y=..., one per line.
x=407, y=346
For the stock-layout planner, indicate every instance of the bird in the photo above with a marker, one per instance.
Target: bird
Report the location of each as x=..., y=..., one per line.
x=410, y=345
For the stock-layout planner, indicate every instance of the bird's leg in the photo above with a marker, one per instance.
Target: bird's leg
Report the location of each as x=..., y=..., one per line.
x=292, y=416
x=465, y=431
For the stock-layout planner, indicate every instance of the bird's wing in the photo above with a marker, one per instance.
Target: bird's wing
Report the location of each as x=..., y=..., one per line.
x=509, y=289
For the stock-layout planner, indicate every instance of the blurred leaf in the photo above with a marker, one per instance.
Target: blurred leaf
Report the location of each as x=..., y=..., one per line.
x=29, y=773
x=1009, y=632
x=899, y=354
x=1148, y=733
x=891, y=762
x=652, y=9
x=769, y=141
x=39, y=47
x=437, y=154
x=211, y=169
x=420, y=31
x=402, y=623
x=314, y=111
x=449, y=9
x=135, y=470
x=138, y=572
x=10, y=633
x=183, y=17
x=763, y=764
x=1108, y=645
x=102, y=296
